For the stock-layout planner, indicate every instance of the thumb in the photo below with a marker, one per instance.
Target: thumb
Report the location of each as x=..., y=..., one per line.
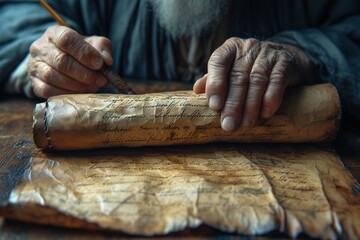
x=200, y=84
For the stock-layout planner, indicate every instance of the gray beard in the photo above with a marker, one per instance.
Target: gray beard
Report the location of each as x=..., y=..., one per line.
x=186, y=18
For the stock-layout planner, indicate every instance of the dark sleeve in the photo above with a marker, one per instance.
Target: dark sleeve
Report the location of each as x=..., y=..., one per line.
x=335, y=50
x=21, y=22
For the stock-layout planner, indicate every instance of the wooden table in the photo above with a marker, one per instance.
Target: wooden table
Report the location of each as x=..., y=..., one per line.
x=17, y=147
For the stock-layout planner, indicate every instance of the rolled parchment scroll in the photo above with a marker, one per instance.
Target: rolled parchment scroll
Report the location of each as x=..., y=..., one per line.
x=85, y=121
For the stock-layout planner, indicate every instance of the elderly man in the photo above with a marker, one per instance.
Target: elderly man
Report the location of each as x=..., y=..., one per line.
x=243, y=54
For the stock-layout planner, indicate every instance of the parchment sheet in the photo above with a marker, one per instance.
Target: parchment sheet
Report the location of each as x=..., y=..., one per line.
x=243, y=188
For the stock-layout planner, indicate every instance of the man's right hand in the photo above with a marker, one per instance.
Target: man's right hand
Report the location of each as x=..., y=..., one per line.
x=63, y=61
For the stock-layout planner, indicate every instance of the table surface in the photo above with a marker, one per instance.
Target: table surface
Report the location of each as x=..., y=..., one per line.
x=17, y=147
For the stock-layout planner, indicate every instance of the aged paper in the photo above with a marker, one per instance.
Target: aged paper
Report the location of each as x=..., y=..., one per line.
x=243, y=188
x=83, y=121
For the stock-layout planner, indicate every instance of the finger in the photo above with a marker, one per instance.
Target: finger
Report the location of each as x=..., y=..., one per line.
x=103, y=46
x=232, y=112
x=45, y=90
x=55, y=78
x=200, y=84
x=259, y=79
x=69, y=66
x=218, y=69
x=72, y=43
x=275, y=90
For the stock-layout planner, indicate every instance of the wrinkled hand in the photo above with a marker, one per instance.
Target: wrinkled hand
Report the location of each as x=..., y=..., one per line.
x=246, y=79
x=63, y=61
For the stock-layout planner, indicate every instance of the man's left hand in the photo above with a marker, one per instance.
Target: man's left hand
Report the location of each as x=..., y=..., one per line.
x=247, y=79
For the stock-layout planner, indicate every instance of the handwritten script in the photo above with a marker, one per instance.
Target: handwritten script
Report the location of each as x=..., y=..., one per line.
x=308, y=114
x=249, y=189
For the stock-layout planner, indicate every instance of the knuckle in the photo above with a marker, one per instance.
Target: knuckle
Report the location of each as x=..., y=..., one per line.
x=236, y=44
x=277, y=81
x=217, y=60
x=47, y=74
x=252, y=41
x=277, y=77
x=220, y=56
x=33, y=68
x=62, y=61
x=252, y=49
x=239, y=80
x=251, y=55
x=271, y=56
x=232, y=104
x=271, y=45
x=32, y=71
x=34, y=47
x=254, y=45
x=65, y=37
x=288, y=57
x=262, y=66
x=49, y=33
x=232, y=40
x=282, y=68
x=258, y=79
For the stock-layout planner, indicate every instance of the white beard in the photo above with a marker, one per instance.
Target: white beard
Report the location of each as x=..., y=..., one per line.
x=188, y=17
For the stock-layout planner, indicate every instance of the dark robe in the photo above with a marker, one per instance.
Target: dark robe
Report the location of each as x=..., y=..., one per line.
x=328, y=31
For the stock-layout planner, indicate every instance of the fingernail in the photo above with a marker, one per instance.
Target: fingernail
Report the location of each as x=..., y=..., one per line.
x=229, y=124
x=106, y=55
x=96, y=63
x=215, y=102
x=266, y=112
x=247, y=123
